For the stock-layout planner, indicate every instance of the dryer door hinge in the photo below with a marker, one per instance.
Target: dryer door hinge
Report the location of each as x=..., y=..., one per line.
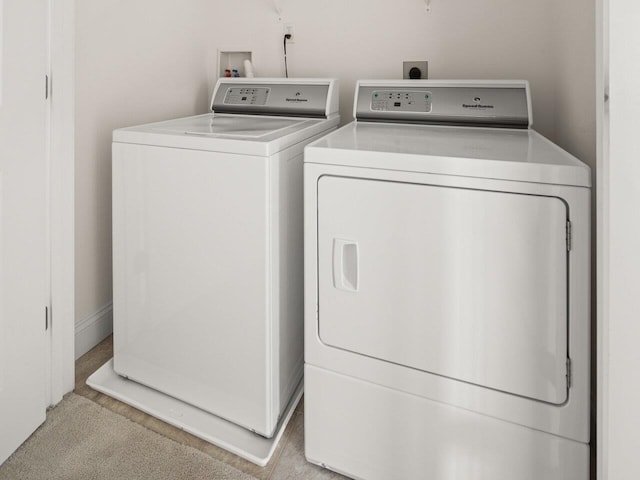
x=569, y=236
x=569, y=373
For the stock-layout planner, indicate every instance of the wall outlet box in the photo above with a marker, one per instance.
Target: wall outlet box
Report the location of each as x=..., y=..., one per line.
x=287, y=29
x=229, y=60
x=415, y=70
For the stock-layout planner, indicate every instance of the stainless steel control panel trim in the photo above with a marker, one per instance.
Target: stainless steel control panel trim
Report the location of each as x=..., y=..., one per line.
x=291, y=99
x=481, y=103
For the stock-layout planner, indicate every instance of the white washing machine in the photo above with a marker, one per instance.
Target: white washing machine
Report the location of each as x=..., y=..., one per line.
x=446, y=289
x=208, y=261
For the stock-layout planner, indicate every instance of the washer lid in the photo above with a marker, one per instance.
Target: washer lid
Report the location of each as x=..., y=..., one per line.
x=505, y=154
x=235, y=126
x=243, y=134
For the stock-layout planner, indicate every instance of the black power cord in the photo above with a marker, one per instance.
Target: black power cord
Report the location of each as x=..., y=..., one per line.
x=287, y=36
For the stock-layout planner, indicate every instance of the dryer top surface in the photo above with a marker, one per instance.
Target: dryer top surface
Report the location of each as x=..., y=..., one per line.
x=506, y=154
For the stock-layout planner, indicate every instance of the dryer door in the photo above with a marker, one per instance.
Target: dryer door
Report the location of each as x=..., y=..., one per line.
x=467, y=284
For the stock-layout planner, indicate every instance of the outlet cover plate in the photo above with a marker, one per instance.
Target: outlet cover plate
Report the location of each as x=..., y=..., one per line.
x=287, y=28
x=423, y=66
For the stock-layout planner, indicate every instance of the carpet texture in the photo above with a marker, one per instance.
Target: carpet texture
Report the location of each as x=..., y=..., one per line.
x=82, y=440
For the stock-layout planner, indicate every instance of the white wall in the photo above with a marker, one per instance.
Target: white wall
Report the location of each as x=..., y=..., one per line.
x=153, y=59
x=547, y=42
x=619, y=253
x=572, y=78
x=135, y=62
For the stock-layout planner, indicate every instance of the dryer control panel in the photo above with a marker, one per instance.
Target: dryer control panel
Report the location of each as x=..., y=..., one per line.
x=401, y=100
x=481, y=103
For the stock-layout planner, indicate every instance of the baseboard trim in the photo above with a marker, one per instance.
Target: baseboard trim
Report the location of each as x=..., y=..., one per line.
x=93, y=329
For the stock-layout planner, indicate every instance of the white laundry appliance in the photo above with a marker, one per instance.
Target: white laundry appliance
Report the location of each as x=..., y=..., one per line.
x=208, y=262
x=447, y=316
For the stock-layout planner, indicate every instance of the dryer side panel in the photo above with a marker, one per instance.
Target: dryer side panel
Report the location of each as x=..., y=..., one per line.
x=466, y=284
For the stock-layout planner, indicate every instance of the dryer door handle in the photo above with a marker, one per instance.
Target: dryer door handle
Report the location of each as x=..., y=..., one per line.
x=345, y=265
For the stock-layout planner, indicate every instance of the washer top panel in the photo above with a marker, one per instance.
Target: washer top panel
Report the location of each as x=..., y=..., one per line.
x=235, y=126
x=252, y=116
x=227, y=133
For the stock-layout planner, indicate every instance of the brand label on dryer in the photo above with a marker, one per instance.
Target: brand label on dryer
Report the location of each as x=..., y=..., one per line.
x=298, y=98
x=478, y=106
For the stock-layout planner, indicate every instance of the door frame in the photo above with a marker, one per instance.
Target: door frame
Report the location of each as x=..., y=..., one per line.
x=602, y=241
x=618, y=234
x=61, y=200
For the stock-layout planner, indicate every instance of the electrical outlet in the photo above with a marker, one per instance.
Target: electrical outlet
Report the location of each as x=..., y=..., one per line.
x=288, y=30
x=415, y=70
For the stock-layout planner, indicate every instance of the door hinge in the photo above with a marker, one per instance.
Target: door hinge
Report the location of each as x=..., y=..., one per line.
x=46, y=318
x=568, y=373
x=569, y=236
x=46, y=87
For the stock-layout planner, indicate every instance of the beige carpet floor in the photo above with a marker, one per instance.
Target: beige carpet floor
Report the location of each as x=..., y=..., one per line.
x=82, y=440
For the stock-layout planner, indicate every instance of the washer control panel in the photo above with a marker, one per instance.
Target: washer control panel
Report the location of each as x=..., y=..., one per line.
x=401, y=101
x=314, y=97
x=246, y=96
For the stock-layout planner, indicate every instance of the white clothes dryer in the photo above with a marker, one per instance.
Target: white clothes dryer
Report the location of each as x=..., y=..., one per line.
x=208, y=260
x=447, y=314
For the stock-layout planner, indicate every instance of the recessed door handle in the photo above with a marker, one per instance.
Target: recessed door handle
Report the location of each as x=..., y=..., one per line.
x=345, y=265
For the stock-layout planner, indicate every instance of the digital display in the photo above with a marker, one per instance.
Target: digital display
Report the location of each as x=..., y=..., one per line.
x=397, y=104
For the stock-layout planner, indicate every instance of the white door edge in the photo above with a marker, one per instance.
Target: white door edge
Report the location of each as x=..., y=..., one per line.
x=61, y=198
x=602, y=238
